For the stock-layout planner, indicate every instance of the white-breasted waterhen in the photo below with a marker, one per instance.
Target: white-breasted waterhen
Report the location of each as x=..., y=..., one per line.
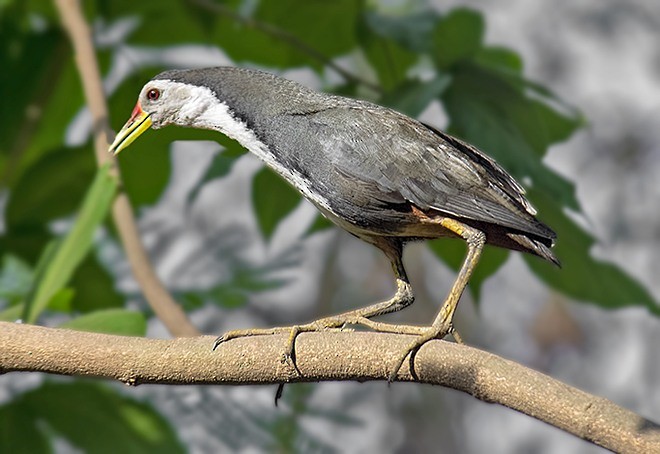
x=382, y=176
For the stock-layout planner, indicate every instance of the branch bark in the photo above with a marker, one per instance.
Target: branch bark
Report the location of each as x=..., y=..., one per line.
x=166, y=309
x=328, y=356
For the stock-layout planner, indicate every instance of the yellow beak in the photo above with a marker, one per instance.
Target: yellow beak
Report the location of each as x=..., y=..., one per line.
x=139, y=122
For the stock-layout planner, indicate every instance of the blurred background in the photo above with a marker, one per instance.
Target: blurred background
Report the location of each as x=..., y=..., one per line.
x=565, y=96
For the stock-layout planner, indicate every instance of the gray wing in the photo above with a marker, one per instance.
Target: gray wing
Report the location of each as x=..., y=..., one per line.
x=399, y=159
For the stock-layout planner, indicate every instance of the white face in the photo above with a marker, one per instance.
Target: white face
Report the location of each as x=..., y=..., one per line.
x=169, y=102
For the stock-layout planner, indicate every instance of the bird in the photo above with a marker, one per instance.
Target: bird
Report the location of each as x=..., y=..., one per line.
x=384, y=177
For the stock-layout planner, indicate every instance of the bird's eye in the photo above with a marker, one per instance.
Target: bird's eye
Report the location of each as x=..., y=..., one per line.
x=153, y=94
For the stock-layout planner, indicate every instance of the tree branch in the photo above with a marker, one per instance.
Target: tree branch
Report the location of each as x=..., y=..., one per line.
x=357, y=356
x=162, y=303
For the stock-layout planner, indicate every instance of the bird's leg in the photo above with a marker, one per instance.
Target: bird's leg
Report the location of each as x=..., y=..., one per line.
x=401, y=299
x=442, y=325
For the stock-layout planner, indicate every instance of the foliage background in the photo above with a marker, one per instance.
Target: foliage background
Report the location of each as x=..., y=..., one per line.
x=238, y=249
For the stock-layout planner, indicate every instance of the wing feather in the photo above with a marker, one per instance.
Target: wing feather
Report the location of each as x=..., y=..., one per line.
x=403, y=158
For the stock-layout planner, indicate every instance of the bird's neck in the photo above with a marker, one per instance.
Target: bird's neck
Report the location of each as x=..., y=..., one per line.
x=206, y=111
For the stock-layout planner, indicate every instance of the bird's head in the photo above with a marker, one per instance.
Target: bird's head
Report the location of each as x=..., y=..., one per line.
x=163, y=102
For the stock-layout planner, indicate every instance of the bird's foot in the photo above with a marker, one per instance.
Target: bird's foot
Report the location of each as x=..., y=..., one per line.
x=340, y=323
x=429, y=333
x=288, y=356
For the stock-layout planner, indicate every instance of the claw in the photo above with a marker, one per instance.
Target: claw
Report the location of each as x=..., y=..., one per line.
x=219, y=340
x=431, y=333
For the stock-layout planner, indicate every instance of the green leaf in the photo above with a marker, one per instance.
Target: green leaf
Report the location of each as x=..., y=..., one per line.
x=12, y=313
x=60, y=105
x=496, y=115
x=581, y=276
x=92, y=418
x=501, y=59
x=59, y=262
x=452, y=252
x=320, y=224
x=94, y=287
x=34, y=56
x=50, y=189
x=29, y=59
x=389, y=59
x=457, y=36
x=413, y=32
x=15, y=279
x=273, y=199
x=287, y=33
x=20, y=432
x=171, y=24
x=413, y=96
x=61, y=300
x=110, y=321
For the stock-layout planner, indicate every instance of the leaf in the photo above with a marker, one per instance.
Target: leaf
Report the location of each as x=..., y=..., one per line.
x=15, y=279
x=457, y=36
x=63, y=101
x=413, y=96
x=501, y=59
x=413, y=32
x=34, y=56
x=92, y=418
x=61, y=300
x=273, y=199
x=159, y=25
x=39, y=196
x=285, y=33
x=94, y=287
x=389, y=59
x=28, y=58
x=20, y=431
x=320, y=224
x=60, y=261
x=487, y=110
x=50, y=189
x=110, y=321
x=581, y=276
x=452, y=252
x=12, y=313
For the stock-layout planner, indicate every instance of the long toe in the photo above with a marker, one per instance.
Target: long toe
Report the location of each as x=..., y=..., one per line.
x=430, y=333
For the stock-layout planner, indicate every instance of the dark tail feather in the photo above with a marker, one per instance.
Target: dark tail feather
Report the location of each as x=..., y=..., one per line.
x=536, y=247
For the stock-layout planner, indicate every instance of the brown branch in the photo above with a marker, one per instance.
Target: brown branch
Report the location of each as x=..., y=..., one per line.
x=162, y=303
x=358, y=356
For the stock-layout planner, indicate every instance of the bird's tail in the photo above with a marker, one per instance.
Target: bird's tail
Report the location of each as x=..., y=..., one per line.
x=536, y=246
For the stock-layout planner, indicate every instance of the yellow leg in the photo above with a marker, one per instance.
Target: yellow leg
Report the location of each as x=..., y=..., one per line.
x=442, y=325
x=403, y=298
